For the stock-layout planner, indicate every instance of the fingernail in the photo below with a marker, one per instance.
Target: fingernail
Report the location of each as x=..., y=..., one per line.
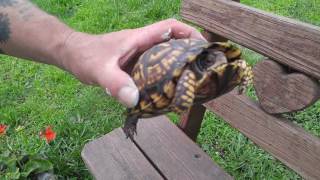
x=129, y=95
x=197, y=35
x=167, y=35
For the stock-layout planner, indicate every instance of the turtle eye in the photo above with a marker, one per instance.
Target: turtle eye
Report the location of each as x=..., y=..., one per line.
x=210, y=60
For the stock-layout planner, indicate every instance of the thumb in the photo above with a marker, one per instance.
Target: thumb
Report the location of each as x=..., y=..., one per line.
x=120, y=85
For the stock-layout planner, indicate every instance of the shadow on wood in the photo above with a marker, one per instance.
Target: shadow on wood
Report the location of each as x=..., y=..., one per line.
x=160, y=151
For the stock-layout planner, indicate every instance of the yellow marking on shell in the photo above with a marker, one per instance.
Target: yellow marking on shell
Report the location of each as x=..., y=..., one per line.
x=143, y=105
x=141, y=71
x=158, y=69
x=191, y=88
x=190, y=94
x=177, y=72
x=191, y=82
x=191, y=58
x=224, y=44
x=155, y=96
x=186, y=98
x=157, y=55
x=155, y=73
x=187, y=41
x=233, y=53
x=186, y=104
x=164, y=45
x=178, y=110
x=188, y=86
x=166, y=65
x=175, y=53
x=169, y=88
x=162, y=102
x=136, y=76
x=154, y=68
x=192, y=76
x=168, y=61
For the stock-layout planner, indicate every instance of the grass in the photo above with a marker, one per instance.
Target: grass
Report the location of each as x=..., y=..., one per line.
x=33, y=96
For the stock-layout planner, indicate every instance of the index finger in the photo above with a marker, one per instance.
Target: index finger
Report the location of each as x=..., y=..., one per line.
x=164, y=30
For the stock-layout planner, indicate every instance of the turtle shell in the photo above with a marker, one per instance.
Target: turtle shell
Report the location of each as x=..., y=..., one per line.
x=174, y=75
x=158, y=70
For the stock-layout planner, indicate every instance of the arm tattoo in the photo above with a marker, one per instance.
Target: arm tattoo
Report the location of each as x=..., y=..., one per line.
x=5, y=3
x=4, y=28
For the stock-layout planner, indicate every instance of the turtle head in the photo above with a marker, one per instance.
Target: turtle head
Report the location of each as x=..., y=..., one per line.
x=225, y=71
x=227, y=76
x=214, y=55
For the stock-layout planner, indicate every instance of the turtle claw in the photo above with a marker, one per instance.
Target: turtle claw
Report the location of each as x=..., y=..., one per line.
x=130, y=127
x=130, y=131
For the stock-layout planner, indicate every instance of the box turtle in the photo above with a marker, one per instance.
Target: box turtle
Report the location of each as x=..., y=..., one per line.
x=174, y=75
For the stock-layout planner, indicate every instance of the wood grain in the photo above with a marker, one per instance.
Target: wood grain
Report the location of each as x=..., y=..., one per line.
x=177, y=156
x=285, y=40
x=115, y=157
x=281, y=92
x=190, y=122
x=286, y=141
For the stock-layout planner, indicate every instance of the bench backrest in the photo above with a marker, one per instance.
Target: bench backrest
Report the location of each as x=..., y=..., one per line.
x=289, y=42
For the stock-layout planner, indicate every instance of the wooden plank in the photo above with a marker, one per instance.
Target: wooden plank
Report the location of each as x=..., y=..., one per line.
x=115, y=157
x=190, y=122
x=177, y=156
x=283, y=139
x=280, y=91
x=285, y=40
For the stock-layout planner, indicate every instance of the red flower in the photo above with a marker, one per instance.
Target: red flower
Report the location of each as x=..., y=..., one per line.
x=48, y=134
x=2, y=129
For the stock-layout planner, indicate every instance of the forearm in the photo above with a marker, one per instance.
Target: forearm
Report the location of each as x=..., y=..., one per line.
x=29, y=33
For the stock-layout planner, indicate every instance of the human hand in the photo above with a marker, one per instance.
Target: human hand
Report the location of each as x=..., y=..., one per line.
x=100, y=59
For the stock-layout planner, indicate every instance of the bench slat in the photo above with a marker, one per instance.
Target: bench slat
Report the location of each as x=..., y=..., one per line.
x=288, y=41
x=177, y=156
x=283, y=139
x=115, y=157
x=282, y=92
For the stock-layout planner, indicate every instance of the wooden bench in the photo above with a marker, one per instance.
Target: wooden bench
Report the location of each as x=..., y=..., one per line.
x=287, y=81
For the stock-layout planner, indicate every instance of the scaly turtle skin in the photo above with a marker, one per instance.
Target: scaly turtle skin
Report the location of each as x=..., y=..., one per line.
x=174, y=75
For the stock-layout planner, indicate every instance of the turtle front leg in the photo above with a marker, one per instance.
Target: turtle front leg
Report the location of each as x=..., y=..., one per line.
x=185, y=92
x=130, y=126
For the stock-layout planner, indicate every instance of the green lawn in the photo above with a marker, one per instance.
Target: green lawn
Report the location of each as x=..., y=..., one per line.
x=33, y=95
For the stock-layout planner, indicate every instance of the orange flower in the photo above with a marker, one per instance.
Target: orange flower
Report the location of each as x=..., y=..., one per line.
x=48, y=134
x=2, y=129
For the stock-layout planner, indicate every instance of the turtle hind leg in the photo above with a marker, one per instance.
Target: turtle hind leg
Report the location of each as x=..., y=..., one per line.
x=184, y=95
x=130, y=126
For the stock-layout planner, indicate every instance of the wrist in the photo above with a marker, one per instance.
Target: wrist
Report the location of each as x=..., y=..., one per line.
x=60, y=48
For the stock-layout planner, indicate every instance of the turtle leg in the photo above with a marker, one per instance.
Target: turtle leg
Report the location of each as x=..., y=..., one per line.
x=130, y=126
x=184, y=95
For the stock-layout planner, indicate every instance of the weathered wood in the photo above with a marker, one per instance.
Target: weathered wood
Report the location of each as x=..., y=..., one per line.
x=281, y=92
x=175, y=155
x=190, y=122
x=285, y=40
x=211, y=37
x=115, y=157
x=283, y=139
